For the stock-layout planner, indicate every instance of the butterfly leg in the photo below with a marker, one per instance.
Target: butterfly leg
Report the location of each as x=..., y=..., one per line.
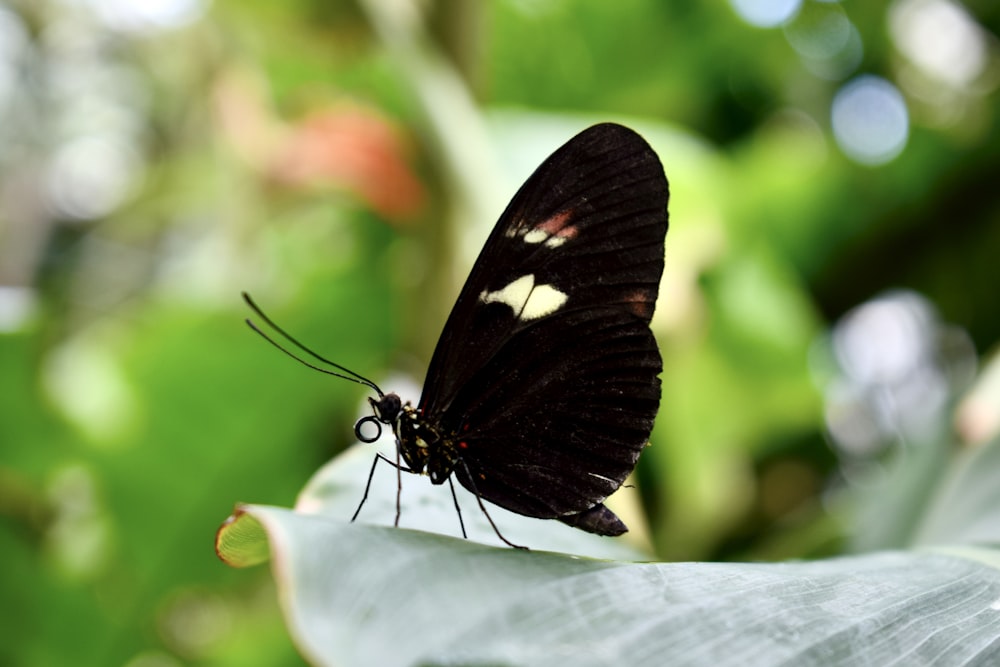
x=371, y=473
x=458, y=510
x=479, y=500
x=399, y=488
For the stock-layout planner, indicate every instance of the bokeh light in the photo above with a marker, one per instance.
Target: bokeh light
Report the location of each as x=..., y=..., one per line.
x=870, y=120
x=146, y=16
x=17, y=304
x=766, y=13
x=898, y=366
x=825, y=39
x=13, y=44
x=819, y=31
x=941, y=38
x=91, y=176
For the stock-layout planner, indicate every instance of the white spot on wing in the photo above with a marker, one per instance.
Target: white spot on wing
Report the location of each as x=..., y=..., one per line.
x=544, y=300
x=528, y=300
x=514, y=295
x=551, y=232
x=541, y=236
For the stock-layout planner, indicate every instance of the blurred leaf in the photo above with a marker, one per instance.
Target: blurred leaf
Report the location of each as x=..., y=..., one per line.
x=966, y=507
x=891, y=501
x=930, y=494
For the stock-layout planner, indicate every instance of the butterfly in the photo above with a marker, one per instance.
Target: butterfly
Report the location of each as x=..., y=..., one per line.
x=544, y=385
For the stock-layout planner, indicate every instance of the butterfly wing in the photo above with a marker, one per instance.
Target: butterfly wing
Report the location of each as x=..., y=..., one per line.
x=547, y=371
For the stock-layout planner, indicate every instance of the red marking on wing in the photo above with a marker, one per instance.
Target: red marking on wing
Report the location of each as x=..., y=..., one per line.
x=641, y=303
x=558, y=225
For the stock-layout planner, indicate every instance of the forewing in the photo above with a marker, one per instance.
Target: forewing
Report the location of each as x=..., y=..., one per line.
x=546, y=365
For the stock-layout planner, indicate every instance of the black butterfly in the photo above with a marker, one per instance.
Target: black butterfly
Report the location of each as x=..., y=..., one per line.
x=544, y=385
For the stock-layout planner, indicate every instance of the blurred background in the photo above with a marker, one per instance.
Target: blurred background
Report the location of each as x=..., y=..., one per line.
x=830, y=298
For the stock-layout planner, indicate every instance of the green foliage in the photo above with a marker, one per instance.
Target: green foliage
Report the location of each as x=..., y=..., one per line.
x=329, y=158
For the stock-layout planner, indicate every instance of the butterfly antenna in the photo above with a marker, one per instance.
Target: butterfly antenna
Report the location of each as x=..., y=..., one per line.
x=350, y=375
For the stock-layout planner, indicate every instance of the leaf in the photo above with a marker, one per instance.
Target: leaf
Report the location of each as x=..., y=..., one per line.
x=356, y=594
x=241, y=540
x=364, y=595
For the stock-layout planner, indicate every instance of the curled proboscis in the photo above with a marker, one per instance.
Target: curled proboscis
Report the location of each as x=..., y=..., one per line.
x=359, y=427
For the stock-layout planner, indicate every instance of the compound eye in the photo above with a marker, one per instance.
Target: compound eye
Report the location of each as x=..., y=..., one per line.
x=386, y=408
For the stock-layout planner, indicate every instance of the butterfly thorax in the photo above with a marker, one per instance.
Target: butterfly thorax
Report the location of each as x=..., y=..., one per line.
x=423, y=445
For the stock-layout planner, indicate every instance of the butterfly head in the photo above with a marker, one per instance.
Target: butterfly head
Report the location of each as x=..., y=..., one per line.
x=385, y=410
